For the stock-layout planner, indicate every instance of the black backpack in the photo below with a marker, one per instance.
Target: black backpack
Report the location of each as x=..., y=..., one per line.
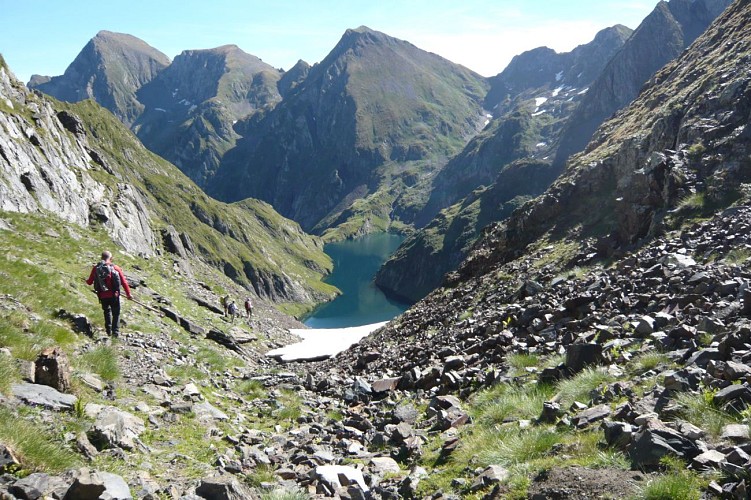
x=106, y=279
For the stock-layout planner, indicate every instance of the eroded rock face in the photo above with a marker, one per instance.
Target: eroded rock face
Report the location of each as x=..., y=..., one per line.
x=45, y=167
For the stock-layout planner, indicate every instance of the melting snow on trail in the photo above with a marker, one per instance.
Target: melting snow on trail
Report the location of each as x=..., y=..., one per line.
x=322, y=343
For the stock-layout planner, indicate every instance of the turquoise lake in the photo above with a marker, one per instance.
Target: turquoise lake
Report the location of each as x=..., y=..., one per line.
x=355, y=265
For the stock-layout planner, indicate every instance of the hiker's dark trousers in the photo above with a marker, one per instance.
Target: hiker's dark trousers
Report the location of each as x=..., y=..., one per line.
x=111, y=309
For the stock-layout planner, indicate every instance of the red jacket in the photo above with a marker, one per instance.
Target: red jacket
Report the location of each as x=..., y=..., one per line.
x=109, y=293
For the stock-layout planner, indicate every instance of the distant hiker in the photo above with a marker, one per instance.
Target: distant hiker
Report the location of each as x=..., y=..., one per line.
x=232, y=311
x=107, y=279
x=248, y=307
x=225, y=303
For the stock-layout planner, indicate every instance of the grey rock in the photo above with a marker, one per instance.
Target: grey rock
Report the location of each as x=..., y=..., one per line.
x=385, y=384
x=645, y=326
x=735, y=432
x=383, y=465
x=617, y=434
x=338, y=476
x=736, y=397
x=492, y=474
x=406, y=412
x=38, y=485
x=736, y=371
x=223, y=488
x=42, y=395
x=551, y=411
x=114, y=428
x=94, y=485
x=655, y=440
x=205, y=411
x=710, y=459
x=590, y=416
x=579, y=356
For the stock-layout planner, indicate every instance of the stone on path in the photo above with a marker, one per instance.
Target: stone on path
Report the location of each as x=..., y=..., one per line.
x=42, y=395
x=115, y=428
x=93, y=485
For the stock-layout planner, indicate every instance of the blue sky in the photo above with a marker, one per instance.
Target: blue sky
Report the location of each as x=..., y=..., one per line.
x=44, y=36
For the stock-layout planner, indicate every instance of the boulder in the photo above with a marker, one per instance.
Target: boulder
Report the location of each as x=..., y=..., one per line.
x=42, y=395
x=39, y=485
x=52, y=368
x=591, y=415
x=223, y=488
x=383, y=465
x=656, y=440
x=93, y=485
x=710, y=459
x=735, y=432
x=579, y=356
x=339, y=476
x=735, y=397
x=114, y=428
x=617, y=434
x=493, y=474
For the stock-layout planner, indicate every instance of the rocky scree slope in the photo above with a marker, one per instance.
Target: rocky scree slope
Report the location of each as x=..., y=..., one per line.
x=660, y=38
x=503, y=166
x=79, y=163
x=359, y=137
x=110, y=69
x=661, y=339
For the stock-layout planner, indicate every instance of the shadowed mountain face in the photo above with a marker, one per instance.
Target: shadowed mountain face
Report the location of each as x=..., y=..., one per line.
x=661, y=37
x=371, y=122
x=190, y=109
x=110, y=69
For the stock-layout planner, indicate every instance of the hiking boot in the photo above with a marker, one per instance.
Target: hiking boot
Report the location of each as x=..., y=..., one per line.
x=115, y=334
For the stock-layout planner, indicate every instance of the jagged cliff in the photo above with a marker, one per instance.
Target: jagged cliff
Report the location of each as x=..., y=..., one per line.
x=662, y=36
x=77, y=162
x=685, y=137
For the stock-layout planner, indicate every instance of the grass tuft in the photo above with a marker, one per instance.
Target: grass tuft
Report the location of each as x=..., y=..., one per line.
x=699, y=410
x=101, y=360
x=507, y=402
x=251, y=389
x=8, y=373
x=678, y=482
x=34, y=447
x=580, y=387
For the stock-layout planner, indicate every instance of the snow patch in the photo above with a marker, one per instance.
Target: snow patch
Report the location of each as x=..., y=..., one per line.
x=160, y=109
x=538, y=113
x=557, y=91
x=322, y=343
x=541, y=144
x=559, y=76
x=584, y=91
x=539, y=101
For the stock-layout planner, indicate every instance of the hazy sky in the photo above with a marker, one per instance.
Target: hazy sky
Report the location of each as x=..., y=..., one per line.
x=44, y=36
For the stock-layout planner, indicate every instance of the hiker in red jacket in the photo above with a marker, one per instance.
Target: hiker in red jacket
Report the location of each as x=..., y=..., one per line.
x=107, y=279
